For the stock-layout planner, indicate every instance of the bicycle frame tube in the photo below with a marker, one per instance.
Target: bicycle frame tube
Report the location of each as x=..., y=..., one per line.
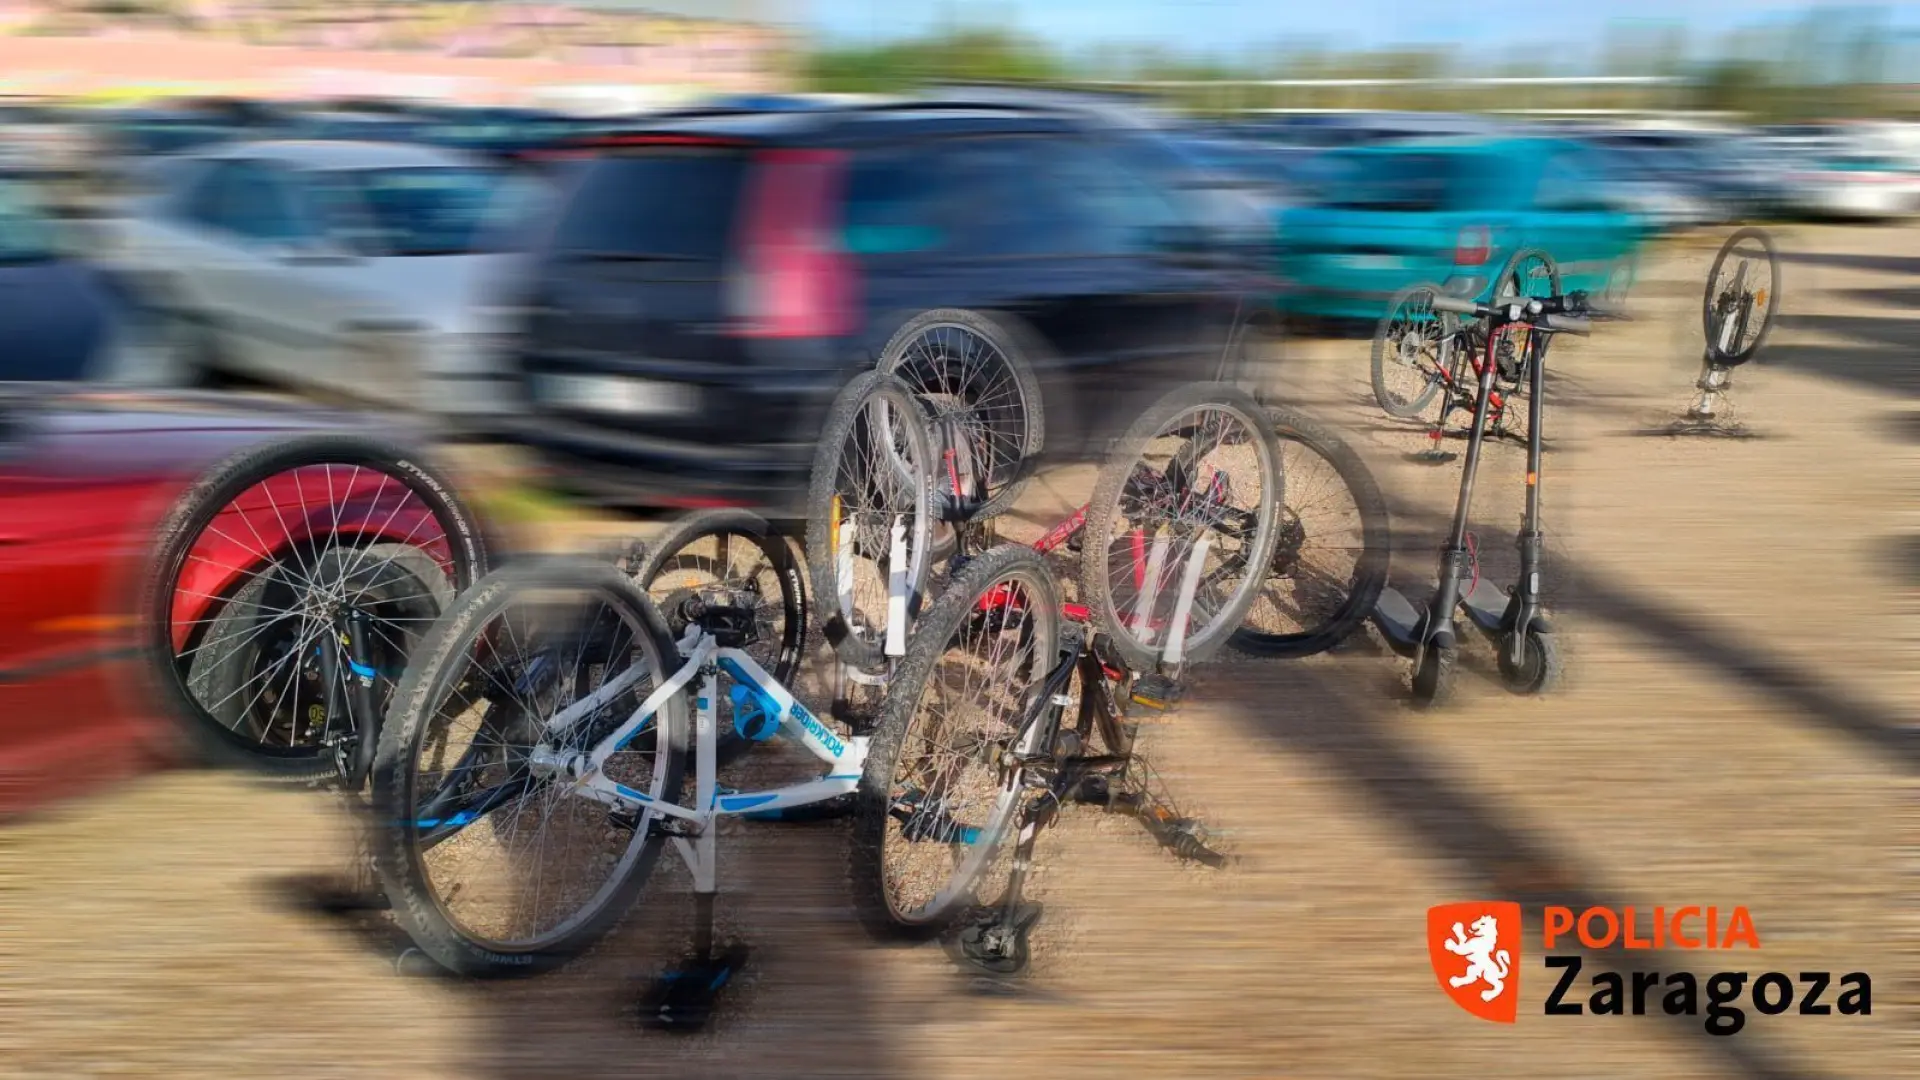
x=1061, y=533
x=845, y=758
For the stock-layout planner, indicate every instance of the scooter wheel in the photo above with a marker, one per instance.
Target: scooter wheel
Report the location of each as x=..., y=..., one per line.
x=1539, y=668
x=1433, y=678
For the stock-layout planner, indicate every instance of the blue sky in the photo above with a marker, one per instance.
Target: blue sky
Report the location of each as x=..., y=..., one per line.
x=1229, y=25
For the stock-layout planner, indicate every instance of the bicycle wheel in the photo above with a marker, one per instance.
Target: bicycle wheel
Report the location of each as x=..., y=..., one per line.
x=261, y=566
x=939, y=799
x=1412, y=351
x=468, y=740
x=1335, y=542
x=872, y=471
x=1531, y=273
x=1201, y=465
x=732, y=559
x=966, y=366
x=1743, y=289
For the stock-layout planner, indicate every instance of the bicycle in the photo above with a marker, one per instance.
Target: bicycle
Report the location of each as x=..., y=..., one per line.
x=1166, y=514
x=1736, y=315
x=1528, y=655
x=550, y=711
x=1418, y=341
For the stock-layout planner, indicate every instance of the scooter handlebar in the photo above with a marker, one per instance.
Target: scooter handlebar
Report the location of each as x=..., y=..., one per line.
x=1565, y=324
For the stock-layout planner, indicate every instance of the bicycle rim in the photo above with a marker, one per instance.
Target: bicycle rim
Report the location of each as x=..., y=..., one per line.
x=480, y=808
x=952, y=799
x=968, y=380
x=257, y=589
x=1201, y=470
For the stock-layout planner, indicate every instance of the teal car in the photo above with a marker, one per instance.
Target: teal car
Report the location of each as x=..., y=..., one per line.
x=1454, y=211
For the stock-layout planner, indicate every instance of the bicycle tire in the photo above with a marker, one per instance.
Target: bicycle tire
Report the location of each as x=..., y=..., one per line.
x=1006, y=479
x=1096, y=588
x=852, y=646
x=1370, y=569
x=791, y=646
x=397, y=857
x=1449, y=325
x=1509, y=273
x=204, y=739
x=1714, y=352
x=946, y=618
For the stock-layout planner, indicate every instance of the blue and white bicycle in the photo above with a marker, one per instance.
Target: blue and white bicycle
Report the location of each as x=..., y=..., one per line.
x=536, y=758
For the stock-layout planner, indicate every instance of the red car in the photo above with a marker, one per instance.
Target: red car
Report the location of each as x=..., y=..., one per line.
x=247, y=573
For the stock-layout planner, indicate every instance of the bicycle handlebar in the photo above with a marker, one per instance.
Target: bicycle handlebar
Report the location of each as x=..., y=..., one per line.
x=1569, y=314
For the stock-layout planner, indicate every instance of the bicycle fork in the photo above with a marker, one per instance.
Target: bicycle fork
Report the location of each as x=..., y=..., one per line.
x=349, y=648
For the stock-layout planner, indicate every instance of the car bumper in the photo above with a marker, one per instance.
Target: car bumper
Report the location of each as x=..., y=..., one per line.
x=615, y=468
x=1858, y=201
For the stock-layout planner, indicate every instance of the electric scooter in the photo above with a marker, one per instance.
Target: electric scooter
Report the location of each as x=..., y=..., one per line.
x=1529, y=659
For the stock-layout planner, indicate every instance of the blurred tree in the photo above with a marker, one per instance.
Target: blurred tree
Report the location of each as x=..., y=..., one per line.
x=973, y=53
x=1734, y=86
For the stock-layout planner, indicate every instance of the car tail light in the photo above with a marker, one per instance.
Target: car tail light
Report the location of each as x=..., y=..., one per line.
x=1473, y=246
x=795, y=280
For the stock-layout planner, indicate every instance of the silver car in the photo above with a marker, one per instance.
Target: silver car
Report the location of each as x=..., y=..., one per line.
x=369, y=270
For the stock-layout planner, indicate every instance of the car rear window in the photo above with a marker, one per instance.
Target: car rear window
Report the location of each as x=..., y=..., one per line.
x=677, y=202
x=1400, y=182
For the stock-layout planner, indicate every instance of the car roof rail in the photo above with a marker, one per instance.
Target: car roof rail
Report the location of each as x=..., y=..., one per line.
x=1041, y=86
x=953, y=104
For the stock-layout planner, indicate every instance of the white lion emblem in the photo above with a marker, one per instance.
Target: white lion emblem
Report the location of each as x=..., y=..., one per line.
x=1483, y=960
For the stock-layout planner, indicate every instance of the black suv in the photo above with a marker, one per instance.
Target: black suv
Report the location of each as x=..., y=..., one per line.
x=709, y=281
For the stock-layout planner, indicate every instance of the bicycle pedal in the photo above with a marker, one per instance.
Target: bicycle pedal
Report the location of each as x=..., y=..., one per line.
x=1158, y=692
x=676, y=826
x=683, y=998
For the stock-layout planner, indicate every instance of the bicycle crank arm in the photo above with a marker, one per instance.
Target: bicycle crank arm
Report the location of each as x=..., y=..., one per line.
x=1186, y=838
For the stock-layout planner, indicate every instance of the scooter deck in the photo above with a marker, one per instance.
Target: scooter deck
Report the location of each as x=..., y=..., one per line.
x=1399, y=620
x=1487, y=606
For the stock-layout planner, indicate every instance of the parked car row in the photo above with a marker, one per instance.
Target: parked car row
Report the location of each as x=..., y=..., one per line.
x=1677, y=177
x=661, y=306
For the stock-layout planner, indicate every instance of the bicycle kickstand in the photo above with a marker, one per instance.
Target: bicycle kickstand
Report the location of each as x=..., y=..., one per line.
x=1435, y=454
x=684, y=998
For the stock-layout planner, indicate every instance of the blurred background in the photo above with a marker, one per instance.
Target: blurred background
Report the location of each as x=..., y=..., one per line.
x=609, y=261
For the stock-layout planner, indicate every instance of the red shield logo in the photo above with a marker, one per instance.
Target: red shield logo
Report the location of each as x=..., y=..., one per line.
x=1475, y=947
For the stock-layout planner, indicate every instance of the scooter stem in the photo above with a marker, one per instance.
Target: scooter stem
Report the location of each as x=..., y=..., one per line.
x=1453, y=561
x=1527, y=591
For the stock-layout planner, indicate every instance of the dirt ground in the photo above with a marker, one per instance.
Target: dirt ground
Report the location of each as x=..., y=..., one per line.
x=1738, y=728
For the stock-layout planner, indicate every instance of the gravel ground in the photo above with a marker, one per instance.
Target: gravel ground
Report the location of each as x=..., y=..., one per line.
x=1737, y=729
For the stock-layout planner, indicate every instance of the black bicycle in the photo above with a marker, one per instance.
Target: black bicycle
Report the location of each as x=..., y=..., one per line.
x=1743, y=289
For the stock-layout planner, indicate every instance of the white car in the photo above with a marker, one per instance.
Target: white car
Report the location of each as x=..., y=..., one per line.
x=370, y=270
x=1855, y=185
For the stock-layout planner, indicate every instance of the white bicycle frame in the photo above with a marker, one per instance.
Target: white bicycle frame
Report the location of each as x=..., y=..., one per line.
x=705, y=660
